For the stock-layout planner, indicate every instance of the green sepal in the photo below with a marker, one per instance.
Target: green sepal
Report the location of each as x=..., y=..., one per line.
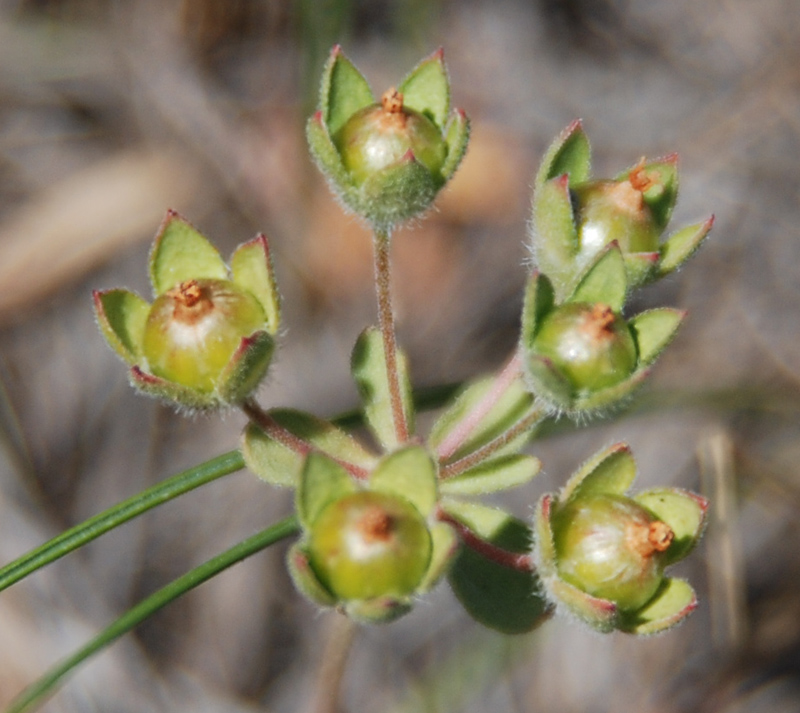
x=605, y=281
x=322, y=481
x=653, y=330
x=683, y=511
x=278, y=465
x=544, y=546
x=121, y=316
x=304, y=578
x=613, y=396
x=555, y=235
x=409, y=473
x=457, y=138
x=569, y=154
x=681, y=245
x=515, y=402
x=609, y=472
x=501, y=598
x=168, y=391
x=426, y=89
x=252, y=269
x=663, y=194
x=538, y=302
x=382, y=610
x=395, y=193
x=547, y=382
x=641, y=267
x=327, y=158
x=247, y=367
x=444, y=546
x=600, y=614
x=671, y=604
x=492, y=476
x=343, y=91
x=368, y=367
x=181, y=253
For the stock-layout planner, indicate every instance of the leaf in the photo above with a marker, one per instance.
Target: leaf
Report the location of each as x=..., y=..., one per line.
x=671, y=604
x=641, y=267
x=683, y=511
x=569, y=154
x=538, y=302
x=494, y=475
x=343, y=91
x=181, y=253
x=605, y=281
x=499, y=597
x=322, y=482
x=653, y=330
x=122, y=316
x=609, y=472
x=509, y=409
x=409, y=473
x=681, y=245
x=426, y=89
x=457, y=139
x=278, y=465
x=369, y=372
x=252, y=269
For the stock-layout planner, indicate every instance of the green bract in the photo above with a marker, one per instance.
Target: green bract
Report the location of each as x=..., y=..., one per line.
x=207, y=339
x=575, y=218
x=581, y=355
x=368, y=547
x=601, y=553
x=387, y=159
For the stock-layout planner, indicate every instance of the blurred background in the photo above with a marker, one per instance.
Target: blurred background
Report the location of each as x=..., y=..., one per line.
x=113, y=111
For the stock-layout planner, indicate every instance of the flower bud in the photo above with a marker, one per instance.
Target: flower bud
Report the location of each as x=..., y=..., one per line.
x=588, y=344
x=368, y=545
x=195, y=328
x=382, y=135
x=610, y=547
x=207, y=340
x=387, y=160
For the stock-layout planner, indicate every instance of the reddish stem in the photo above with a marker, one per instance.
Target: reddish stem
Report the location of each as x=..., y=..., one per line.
x=294, y=443
x=476, y=457
x=512, y=560
x=386, y=321
x=456, y=438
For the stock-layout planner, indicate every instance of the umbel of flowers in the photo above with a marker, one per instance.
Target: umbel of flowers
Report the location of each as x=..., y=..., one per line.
x=381, y=523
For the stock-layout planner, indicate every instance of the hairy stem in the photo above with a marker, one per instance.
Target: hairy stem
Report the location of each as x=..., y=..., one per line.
x=341, y=633
x=456, y=438
x=285, y=437
x=527, y=422
x=512, y=560
x=386, y=322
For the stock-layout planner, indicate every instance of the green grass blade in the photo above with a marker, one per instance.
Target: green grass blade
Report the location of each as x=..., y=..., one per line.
x=45, y=686
x=95, y=526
